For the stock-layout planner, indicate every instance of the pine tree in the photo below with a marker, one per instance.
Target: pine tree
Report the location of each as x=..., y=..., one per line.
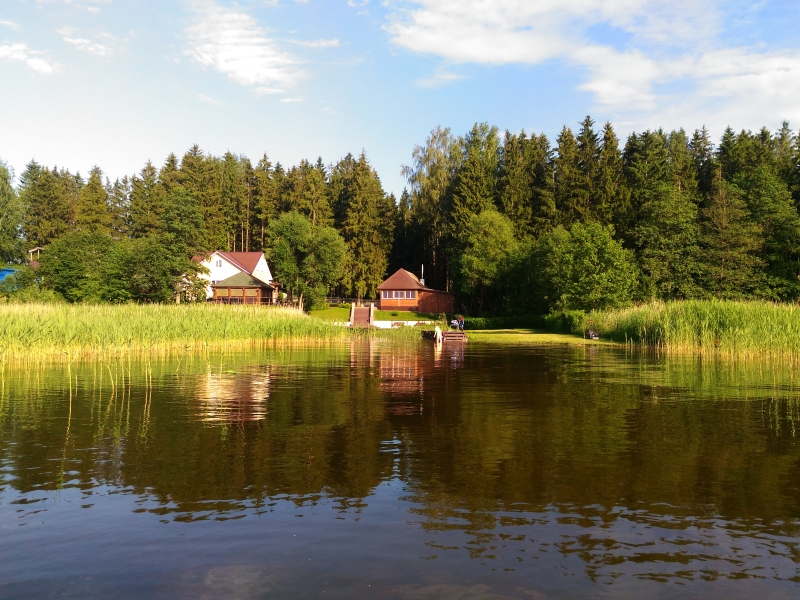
x=646, y=170
x=93, y=214
x=544, y=212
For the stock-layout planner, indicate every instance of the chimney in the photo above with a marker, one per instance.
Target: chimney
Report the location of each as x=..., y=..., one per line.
x=422, y=273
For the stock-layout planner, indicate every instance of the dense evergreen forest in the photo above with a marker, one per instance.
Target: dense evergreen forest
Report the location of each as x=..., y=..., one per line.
x=513, y=224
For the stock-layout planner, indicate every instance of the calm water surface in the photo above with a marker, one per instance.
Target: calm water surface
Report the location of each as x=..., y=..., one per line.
x=395, y=471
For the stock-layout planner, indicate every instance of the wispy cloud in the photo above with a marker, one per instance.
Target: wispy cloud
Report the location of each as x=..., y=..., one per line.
x=32, y=59
x=10, y=24
x=321, y=43
x=291, y=100
x=234, y=43
x=69, y=35
x=438, y=80
x=655, y=43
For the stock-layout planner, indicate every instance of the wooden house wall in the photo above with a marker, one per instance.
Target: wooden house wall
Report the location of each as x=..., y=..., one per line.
x=435, y=302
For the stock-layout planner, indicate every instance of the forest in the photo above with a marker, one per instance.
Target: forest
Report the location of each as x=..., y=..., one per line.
x=513, y=224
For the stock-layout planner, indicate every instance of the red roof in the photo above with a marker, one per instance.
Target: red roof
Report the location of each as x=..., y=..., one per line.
x=402, y=280
x=246, y=261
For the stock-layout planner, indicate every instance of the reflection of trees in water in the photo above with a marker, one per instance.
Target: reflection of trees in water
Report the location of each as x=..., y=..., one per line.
x=489, y=443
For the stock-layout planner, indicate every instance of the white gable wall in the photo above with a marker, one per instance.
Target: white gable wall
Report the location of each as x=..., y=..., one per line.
x=220, y=268
x=262, y=271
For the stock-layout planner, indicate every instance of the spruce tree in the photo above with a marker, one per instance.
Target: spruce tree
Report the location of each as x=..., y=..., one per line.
x=730, y=244
x=588, y=148
x=93, y=214
x=265, y=200
x=611, y=194
x=568, y=178
x=476, y=181
x=146, y=201
x=47, y=197
x=516, y=182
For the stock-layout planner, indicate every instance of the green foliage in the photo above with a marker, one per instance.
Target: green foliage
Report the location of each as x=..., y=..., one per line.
x=307, y=260
x=72, y=266
x=489, y=241
x=730, y=244
x=666, y=238
x=92, y=213
x=584, y=268
x=11, y=215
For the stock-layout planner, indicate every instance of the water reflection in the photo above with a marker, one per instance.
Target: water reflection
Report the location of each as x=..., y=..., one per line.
x=464, y=469
x=232, y=398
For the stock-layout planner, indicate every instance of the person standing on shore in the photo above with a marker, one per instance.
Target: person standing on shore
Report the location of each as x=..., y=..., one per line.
x=437, y=335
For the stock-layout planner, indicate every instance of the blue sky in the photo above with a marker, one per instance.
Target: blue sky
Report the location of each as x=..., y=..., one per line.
x=116, y=83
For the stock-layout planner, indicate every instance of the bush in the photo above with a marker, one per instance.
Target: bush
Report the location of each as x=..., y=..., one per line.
x=567, y=321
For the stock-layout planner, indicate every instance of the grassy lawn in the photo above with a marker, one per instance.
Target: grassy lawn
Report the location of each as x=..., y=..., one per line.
x=332, y=314
x=529, y=336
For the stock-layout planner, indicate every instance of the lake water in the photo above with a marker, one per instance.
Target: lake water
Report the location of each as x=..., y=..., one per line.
x=396, y=471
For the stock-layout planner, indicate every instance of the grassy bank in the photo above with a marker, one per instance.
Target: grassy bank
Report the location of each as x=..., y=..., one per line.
x=60, y=330
x=526, y=337
x=747, y=329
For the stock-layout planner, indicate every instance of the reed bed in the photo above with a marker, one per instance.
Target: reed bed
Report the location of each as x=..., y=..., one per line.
x=47, y=331
x=733, y=328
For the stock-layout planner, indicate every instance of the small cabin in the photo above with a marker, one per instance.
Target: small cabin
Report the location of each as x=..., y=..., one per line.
x=404, y=291
x=243, y=289
x=224, y=266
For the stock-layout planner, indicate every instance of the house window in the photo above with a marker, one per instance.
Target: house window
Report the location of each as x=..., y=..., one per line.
x=411, y=295
x=219, y=263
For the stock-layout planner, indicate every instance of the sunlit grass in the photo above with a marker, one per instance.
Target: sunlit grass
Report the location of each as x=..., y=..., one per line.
x=755, y=329
x=47, y=330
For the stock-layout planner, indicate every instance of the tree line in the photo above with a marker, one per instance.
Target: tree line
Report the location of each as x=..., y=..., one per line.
x=510, y=223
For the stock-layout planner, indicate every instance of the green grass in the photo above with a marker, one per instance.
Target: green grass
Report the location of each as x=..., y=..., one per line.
x=528, y=336
x=747, y=329
x=400, y=315
x=332, y=314
x=60, y=330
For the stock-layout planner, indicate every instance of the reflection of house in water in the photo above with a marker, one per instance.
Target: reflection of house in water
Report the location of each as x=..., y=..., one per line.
x=405, y=371
x=232, y=398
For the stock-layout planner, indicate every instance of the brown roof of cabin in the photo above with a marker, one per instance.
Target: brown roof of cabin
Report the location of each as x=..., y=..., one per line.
x=242, y=280
x=402, y=280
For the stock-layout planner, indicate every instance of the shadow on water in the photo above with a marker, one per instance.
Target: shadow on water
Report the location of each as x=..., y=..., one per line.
x=401, y=470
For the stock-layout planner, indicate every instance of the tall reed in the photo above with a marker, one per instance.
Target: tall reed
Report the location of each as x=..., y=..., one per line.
x=746, y=328
x=57, y=330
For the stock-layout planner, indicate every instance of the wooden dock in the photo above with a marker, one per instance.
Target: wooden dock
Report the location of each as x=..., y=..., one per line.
x=447, y=336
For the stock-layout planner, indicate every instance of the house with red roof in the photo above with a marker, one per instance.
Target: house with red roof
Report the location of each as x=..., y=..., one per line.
x=404, y=291
x=239, y=278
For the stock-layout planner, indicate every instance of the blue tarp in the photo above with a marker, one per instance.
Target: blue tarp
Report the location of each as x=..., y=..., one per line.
x=4, y=273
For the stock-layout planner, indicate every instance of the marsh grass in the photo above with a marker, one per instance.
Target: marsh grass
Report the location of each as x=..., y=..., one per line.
x=749, y=329
x=67, y=332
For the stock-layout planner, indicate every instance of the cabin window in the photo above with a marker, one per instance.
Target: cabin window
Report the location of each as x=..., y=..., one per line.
x=219, y=263
x=386, y=295
x=411, y=295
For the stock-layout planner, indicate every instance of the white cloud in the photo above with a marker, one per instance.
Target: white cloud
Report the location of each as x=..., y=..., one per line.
x=320, y=43
x=662, y=54
x=33, y=59
x=84, y=45
x=234, y=44
x=291, y=100
x=438, y=79
x=10, y=24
